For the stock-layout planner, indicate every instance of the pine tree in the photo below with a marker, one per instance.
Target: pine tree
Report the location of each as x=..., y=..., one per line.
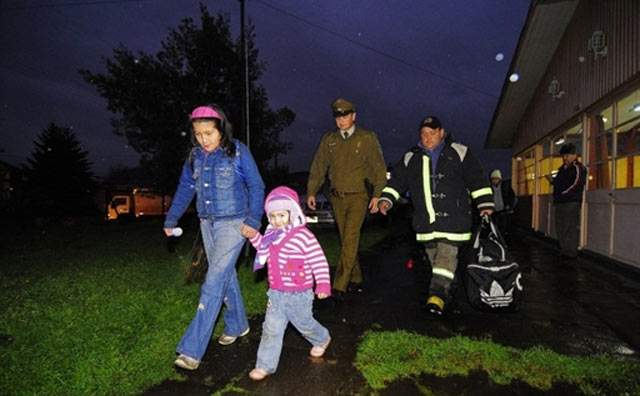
x=61, y=182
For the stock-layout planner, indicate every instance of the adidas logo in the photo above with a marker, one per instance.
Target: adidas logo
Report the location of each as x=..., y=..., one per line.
x=496, y=297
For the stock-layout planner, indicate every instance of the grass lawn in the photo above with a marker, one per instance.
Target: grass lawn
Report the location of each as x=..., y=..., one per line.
x=98, y=310
x=387, y=356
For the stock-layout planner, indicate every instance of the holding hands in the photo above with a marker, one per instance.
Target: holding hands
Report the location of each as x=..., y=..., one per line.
x=248, y=232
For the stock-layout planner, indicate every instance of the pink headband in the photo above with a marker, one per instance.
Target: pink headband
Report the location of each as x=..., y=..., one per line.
x=204, y=112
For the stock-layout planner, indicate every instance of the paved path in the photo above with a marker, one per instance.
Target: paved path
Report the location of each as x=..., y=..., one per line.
x=575, y=308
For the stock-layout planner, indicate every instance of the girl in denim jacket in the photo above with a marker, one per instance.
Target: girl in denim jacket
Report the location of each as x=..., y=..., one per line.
x=229, y=192
x=295, y=259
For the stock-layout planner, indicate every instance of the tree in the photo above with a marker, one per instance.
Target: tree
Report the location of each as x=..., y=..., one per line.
x=60, y=180
x=151, y=95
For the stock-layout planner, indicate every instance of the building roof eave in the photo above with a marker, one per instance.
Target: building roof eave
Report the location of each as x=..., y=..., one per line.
x=546, y=23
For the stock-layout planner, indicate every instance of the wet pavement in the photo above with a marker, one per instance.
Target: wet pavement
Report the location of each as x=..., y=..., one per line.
x=579, y=307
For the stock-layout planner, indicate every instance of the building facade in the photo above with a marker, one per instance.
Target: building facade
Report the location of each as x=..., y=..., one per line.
x=578, y=63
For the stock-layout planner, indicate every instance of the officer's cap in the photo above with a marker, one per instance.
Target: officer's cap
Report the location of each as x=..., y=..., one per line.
x=342, y=107
x=431, y=122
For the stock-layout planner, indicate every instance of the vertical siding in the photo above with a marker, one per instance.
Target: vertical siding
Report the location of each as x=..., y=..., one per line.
x=584, y=83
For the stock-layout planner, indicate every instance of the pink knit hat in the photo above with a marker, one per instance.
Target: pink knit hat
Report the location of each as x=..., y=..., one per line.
x=284, y=198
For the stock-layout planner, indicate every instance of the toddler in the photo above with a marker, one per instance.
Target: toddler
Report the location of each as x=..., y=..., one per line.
x=294, y=258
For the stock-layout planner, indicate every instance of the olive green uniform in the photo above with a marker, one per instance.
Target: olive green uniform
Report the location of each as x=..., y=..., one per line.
x=356, y=169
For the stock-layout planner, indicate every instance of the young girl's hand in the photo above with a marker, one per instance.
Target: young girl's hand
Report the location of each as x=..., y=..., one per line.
x=248, y=232
x=322, y=296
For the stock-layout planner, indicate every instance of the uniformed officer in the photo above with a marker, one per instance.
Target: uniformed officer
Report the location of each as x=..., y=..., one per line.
x=441, y=175
x=352, y=158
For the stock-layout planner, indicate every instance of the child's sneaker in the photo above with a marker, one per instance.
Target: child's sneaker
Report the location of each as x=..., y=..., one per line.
x=186, y=362
x=228, y=340
x=318, y=351
x=258, y=374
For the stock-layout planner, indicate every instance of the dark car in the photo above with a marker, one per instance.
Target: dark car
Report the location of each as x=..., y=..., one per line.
x=323, y=213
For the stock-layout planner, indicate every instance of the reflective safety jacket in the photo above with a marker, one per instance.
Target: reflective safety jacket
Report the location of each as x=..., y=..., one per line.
x=441, y=197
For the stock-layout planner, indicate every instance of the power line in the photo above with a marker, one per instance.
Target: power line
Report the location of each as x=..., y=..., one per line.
x=303, y=20
x=377, y=51
x=69, y=4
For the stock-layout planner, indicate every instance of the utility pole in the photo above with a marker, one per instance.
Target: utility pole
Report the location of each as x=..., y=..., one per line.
x=245, y=102
x=245, y=67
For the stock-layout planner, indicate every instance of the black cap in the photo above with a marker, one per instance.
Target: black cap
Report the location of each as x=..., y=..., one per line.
x=568, y=148
x=431, y=122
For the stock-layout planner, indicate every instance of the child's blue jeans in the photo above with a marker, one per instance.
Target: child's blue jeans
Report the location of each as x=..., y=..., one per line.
x=282, y=308
x=223, y=243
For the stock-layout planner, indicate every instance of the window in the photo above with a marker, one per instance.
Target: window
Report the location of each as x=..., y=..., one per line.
x=551, y=158
x=574, y=136
x=550, y=162
x=628, y=141
x=546, y=166
x=526, y=173
x=600, y=143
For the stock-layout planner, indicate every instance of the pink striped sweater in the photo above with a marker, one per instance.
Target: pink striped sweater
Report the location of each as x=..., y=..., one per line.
x=294, y=260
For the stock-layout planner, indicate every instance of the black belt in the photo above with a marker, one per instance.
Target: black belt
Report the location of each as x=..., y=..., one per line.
x=341, y=194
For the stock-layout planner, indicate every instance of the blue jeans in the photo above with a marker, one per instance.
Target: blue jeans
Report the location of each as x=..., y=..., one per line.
x=223, y=243
x=282, y=308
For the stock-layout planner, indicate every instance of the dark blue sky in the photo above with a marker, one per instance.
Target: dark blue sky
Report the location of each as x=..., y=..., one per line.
x=397, y=60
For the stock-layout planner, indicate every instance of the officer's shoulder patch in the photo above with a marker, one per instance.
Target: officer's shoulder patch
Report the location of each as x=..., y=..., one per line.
x=461, y=149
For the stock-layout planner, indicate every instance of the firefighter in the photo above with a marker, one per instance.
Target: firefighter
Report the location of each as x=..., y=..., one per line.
x=440, y=175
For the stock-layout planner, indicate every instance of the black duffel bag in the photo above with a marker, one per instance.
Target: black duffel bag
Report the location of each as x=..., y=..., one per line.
x=492, y=279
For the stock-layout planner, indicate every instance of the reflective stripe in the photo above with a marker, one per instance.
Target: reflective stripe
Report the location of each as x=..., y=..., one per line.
x=437, y=301
x=426, y=180
x=443, y=272
x=447, y=235
x=481, y=192
x=391, y=191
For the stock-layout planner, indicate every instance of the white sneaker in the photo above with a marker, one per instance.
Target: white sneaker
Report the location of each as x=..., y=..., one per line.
x=228, y=340
x=186, y=362
x=258, y=374
x=318, y=351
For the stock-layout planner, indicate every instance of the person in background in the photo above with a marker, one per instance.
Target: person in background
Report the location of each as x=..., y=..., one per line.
x=568, y=186
x=352, y=158
x=294, y=259
x=504, y=199
x=440, y=175
x=229, y=190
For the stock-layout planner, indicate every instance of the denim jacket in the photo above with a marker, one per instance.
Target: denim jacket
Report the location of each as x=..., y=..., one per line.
x=224, y=188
